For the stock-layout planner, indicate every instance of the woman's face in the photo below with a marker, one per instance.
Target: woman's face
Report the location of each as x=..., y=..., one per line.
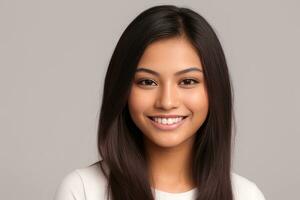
x=162, y=87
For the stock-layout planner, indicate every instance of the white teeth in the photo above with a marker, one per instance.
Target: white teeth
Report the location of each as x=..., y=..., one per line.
x=168, y=121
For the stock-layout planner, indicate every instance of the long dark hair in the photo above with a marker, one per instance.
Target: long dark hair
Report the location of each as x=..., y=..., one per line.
x=120, y=142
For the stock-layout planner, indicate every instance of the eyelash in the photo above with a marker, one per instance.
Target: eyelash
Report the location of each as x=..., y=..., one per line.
x=139, y=82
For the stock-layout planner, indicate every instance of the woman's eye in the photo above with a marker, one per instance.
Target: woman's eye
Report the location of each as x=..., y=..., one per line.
x=146, y=82
x=190, y=81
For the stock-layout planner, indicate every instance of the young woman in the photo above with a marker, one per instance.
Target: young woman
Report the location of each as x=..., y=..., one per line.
x=165, y=128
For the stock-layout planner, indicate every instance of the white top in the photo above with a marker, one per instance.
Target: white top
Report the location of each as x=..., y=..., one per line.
x=89, y=183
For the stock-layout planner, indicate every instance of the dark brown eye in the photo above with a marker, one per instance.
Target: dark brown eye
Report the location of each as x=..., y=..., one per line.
x=146, y=82
x=190, y=81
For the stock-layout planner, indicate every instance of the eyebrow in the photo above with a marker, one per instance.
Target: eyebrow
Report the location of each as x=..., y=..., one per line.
x=141, y=69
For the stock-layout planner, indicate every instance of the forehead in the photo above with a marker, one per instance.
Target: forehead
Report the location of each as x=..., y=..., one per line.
x=170, y=54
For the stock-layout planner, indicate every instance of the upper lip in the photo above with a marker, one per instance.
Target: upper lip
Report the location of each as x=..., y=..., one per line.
x=168, y=116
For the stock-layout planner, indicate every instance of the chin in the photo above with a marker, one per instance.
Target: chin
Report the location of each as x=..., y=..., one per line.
x=167, y=141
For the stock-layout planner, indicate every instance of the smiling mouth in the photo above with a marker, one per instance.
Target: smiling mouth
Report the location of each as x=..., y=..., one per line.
x=167, y=124
x=153, y=118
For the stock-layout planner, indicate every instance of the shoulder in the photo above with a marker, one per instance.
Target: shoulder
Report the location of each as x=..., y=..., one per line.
x=87, y=183
x=245, y=189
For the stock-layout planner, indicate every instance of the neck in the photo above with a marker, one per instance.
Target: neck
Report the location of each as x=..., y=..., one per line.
x=170, y=168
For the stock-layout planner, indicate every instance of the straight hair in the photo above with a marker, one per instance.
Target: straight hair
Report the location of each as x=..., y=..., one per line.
x=120, y=142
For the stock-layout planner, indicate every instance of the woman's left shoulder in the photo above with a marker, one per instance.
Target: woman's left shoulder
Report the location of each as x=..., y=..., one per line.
x=245, y=189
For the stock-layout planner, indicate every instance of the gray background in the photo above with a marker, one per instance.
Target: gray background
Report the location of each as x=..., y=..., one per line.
x=53, y=57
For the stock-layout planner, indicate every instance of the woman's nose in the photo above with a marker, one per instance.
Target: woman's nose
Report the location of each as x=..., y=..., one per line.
x=167, y=98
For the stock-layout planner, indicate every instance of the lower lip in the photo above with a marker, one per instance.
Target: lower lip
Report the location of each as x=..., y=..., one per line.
x=166, y=127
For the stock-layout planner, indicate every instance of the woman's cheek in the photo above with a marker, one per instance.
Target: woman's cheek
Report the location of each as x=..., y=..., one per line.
x=197, y=101
x=140, y=100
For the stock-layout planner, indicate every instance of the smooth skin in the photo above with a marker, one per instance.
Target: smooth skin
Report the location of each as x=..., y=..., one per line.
x=169, y=153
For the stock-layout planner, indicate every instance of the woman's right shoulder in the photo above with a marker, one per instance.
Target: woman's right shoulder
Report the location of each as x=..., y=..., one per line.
x=83, y=183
